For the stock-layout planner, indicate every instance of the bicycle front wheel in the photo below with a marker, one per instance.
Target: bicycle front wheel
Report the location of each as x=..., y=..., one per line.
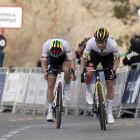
x=102, y=113
x=59, y=106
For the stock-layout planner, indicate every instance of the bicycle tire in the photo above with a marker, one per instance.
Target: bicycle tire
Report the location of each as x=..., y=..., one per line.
x=102, y=114
x=59, y=105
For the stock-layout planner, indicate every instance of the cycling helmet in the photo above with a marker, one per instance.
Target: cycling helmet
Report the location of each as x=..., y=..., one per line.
x=56, y=48
x=86, y=38
x=135, y=39
x=101, y=35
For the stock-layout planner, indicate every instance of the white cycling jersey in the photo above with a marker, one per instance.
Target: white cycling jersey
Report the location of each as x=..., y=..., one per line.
x=66, y=49
x=111, y=47
x=138, y=12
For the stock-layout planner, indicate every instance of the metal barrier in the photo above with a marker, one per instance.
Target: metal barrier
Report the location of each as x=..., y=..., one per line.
x=4, y=71
x=29, y=103
x=22, y=88
x=72, y=105
x=40, y=103
x=29, y=94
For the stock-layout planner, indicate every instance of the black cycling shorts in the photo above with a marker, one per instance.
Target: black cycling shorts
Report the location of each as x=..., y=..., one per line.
x=56, y=63
x=107, y=62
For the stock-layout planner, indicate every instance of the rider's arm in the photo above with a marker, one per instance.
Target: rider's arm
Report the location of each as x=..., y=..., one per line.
x=45, y=50
x=67, y=50
x=83, y=63
x=116, y=63
x=116, y=55
x=86, y=53
x=72, y=64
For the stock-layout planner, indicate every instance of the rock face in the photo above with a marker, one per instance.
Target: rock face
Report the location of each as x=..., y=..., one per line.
x=68, y=19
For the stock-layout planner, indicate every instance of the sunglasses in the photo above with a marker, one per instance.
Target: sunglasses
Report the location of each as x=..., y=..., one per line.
x=98, y=42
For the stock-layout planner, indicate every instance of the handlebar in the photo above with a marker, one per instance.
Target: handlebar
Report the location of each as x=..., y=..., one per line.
x=99, y=70
x=48, y=71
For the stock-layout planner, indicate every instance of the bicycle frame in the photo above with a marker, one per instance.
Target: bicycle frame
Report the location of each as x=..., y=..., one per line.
x=60, y=78
x=98, y=81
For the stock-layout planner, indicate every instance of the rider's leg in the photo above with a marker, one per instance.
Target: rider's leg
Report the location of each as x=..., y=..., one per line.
x=110, y=95
x=88, y=85
x=51, y=83
x=66, y=66
x=89, y=78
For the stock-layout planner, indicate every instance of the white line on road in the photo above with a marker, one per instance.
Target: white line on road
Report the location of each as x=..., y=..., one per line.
x=4, y=137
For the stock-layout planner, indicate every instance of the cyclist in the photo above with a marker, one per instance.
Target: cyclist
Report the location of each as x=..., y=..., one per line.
x=57, y=53
x=101, y=48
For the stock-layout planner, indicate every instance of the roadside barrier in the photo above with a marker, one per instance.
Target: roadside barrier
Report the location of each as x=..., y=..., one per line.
x=25, y=90
x=4, y=71
x=130, y=99
x=72, y=105
x=29, y=104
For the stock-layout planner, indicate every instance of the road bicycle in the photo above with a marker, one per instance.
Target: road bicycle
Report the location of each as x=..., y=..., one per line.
x=99, y=102
x=58, y=96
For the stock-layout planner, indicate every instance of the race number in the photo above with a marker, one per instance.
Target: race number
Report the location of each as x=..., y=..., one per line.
x=2, y=42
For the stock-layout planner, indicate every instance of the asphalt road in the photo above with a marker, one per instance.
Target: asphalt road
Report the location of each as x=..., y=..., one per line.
x=29, y=127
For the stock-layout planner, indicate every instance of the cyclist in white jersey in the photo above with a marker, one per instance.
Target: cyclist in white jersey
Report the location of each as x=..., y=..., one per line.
x=101, y=48
x=57, y=53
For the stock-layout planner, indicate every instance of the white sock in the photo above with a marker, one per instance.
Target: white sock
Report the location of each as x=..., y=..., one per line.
x=67, y=86
x=109, y=106
x=88, y=88
x=50, y=107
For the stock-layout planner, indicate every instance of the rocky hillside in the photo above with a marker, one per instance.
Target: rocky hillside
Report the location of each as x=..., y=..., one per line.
x=68, y=19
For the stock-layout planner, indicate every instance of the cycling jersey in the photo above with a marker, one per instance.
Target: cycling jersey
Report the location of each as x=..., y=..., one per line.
x=138, y=12
x=111, y=47
x=66, y=49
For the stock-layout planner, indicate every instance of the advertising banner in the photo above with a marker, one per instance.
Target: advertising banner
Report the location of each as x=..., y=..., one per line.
x=132, y=87
x=11, y=87
x=119, y=83
x=2, y=82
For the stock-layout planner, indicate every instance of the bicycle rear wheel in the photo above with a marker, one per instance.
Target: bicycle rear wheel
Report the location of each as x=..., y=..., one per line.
x=102, y=113
x=59, y=106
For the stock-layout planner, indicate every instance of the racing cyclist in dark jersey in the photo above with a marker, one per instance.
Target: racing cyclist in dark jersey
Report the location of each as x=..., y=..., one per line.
x=101, y=48
x=57, y=53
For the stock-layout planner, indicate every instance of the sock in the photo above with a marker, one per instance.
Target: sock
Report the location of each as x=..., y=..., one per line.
x=109, y=106
x=88, y=88
x=67, y=86
x=50, y=107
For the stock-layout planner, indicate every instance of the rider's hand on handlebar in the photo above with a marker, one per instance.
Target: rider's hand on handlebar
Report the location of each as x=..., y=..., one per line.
x=113, y=75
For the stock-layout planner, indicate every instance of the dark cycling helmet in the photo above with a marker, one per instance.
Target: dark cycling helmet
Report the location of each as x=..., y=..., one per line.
x=101, y=35
x=56, y=48
x=135, y=39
